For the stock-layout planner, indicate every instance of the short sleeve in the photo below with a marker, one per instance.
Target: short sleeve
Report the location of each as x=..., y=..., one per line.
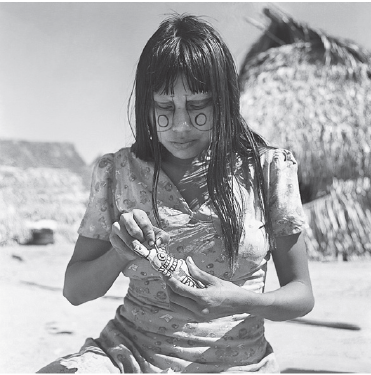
x=285, y=206
x=99, y=215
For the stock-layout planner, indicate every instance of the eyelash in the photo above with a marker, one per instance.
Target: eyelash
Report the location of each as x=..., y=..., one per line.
x=165, y=108
x=197, y=108
x=190, y=107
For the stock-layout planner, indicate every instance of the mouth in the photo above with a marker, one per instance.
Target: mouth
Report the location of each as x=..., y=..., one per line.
x=182, y=145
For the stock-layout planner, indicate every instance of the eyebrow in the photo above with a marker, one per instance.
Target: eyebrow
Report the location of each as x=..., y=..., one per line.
x=200, y=101
x=170, y=99
x=169, y=96
x=204, y=101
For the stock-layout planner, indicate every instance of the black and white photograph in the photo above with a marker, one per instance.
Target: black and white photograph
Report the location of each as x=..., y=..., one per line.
x=185, y=187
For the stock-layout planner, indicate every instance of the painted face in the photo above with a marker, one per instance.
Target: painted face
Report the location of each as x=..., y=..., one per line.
x=184, y=120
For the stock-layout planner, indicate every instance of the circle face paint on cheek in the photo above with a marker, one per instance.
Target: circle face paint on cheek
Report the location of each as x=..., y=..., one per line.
x=200, y=119
x=162, y=121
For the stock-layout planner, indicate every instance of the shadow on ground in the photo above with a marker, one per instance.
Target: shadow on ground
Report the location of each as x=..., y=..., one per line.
x=301, y=371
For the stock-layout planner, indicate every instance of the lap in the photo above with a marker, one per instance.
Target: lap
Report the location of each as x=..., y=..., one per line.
x=90, y=359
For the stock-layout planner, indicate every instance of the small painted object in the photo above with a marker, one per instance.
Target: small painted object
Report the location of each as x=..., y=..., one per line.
x=166, y=264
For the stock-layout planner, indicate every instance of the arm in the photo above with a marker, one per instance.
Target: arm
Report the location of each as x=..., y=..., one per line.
x=96, y=264
x=221, y=298
x=92, y=270
x=295, y=297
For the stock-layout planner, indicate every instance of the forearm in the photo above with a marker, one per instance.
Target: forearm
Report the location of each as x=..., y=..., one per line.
x=88, y=280
x=288, y=302
x=223, y=298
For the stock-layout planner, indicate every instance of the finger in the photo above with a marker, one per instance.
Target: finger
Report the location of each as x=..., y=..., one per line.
x=119, y=230
x=142, y=220
x=129, y=228
x=145, y=225
x=119, y=245
x=161, y=236
x=127, y=249
x=183, y=290
x=205, y=311
x=121, y=237
x=198, y=274
x=187, y=303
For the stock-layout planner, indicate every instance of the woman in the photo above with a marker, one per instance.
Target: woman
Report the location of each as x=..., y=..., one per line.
x=198, y=182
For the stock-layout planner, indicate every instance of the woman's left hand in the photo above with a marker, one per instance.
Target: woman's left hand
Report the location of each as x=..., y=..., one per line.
x=294, y=297
x=219, y=297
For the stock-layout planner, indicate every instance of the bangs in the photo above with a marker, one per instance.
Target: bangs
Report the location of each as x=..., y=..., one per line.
x=178, y=57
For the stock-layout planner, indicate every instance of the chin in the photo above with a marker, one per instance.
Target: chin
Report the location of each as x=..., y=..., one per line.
x=184, y=155
x=185, y=151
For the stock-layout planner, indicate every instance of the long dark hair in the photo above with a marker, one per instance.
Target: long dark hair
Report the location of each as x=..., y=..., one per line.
x=185, y=45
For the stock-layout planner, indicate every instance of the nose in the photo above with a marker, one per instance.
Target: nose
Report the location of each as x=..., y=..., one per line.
x=181, y=120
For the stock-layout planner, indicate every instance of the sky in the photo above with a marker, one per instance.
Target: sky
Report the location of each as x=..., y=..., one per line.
x=67, y=69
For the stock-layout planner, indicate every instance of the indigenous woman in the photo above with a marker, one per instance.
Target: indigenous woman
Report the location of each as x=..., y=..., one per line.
x=202, y=187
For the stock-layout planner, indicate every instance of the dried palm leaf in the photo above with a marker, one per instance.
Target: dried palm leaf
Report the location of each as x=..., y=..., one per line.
x=311, y=93
x=33, y=194
x=340, y=222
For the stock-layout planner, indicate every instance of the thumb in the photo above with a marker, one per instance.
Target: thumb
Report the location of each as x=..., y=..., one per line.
x=162, y=237
x=198, y=274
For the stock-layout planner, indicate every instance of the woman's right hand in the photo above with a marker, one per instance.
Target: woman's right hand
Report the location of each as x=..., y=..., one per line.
x=135, y=225
x=96, y=264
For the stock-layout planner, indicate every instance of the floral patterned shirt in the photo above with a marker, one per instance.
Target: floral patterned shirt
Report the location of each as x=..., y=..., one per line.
x=147, y=335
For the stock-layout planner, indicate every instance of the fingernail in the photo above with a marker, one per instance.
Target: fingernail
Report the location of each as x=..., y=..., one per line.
x=151, y=243
x=190, y=260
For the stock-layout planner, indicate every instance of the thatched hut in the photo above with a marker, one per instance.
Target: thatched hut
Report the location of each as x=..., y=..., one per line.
x=311, y=93
x=39, y=182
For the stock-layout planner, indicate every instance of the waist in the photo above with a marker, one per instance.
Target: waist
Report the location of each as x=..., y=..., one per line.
x=152, y=320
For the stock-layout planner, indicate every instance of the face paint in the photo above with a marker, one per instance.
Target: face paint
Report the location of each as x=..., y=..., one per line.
x=175, y=120
x=200, y=119
x=162, y=121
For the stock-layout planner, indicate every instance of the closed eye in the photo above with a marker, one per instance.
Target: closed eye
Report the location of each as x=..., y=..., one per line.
x=195, y=105
x=164, y=106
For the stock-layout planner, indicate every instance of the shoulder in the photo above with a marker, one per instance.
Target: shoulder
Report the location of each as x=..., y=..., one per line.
x=120, y=157
x=276, y=157
x=123, y=167
x=106, y=165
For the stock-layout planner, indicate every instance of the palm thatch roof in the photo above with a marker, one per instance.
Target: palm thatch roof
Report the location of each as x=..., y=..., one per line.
x=340, y=222
x=311, y=93
x=33, y=194
x=26, y=154
x=41, y=181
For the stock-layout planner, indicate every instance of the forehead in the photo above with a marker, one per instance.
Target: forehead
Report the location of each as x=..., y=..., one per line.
x=181, y=89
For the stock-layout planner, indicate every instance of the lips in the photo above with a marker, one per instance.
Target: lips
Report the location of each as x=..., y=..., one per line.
x=182, y=145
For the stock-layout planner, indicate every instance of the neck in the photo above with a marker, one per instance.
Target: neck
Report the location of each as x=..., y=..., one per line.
x=169, y=158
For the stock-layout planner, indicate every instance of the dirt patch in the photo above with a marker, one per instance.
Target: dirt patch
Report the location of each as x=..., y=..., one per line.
x=39, y=325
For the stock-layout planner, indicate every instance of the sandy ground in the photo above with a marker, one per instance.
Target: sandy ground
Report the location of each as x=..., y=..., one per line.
x=39, y=325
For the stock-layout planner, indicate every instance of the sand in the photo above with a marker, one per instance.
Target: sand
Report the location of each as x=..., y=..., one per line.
x=38, y=324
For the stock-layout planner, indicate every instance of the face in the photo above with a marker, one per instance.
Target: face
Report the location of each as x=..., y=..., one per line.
x=184, y=120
